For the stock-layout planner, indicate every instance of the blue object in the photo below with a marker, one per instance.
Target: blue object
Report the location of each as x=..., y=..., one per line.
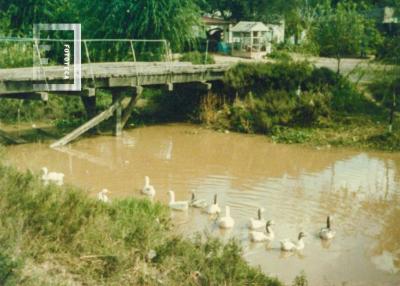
x=223, y=47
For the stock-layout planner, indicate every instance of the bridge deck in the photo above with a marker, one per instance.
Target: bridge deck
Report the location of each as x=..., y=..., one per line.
x=113, y=74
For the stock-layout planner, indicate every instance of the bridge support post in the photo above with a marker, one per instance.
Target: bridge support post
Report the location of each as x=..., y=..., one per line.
x=116, y=98
x=137, y=91
x=90, y=105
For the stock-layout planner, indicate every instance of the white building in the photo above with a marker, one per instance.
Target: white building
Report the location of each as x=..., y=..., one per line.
x=254, y=39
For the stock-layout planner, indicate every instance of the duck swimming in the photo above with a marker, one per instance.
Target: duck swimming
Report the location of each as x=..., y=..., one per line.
x=288, y=245
x=197, y=203
x=177, y=205
x=148, y=189
x=214, y=208
x=259, y=236
x=227, y=221
x=326, y=233
x=258, y=222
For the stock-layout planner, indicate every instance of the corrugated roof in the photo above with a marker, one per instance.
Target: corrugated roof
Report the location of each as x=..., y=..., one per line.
x=244, y=26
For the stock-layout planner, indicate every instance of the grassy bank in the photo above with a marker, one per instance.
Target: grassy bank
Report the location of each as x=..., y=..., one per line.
x=59, y=236
x=295, y=102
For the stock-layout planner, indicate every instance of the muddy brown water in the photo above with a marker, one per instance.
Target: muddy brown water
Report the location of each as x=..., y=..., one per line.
x=298, y=186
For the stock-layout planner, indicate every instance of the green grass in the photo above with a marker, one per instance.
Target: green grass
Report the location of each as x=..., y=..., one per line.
x=53, y=235
x=357, y=131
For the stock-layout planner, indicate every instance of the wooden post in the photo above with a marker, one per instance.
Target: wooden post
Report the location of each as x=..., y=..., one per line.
x=137, y=91
x=116, y=98
x=89, y=102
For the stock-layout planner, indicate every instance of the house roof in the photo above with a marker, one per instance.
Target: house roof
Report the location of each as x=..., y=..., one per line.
x=244, y=26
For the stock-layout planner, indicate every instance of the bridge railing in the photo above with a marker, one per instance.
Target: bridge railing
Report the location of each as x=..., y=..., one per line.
x=38, y=53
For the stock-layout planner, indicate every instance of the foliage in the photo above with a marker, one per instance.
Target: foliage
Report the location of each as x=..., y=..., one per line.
x=279, y=55
x=15, y=55
x=63, y=237
x=389, y=51
x=260, y=77
x=23, y=14
x=385, y=86
x=260, y=115
x=197, y=58
x=343, y=31
x=300, y=280
x=7, y=268
x=172, y=20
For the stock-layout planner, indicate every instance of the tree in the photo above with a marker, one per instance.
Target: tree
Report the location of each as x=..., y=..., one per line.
x=18, y=16
x=343, y=31
x=173, y=20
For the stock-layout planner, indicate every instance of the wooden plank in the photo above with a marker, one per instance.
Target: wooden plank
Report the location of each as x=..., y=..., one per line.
x=88, y=125
x=11, y=138
x=128, y=110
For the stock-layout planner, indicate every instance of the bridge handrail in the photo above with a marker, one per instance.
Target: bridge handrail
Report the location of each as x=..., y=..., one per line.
x=35, y=41
x=17, y=39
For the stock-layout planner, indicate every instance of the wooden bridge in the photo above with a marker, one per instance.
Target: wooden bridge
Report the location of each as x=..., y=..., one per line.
x=118, y=77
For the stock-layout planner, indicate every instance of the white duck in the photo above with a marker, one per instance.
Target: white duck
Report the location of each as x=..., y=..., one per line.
x=288, y=245
x=258, y=222
x=227, y=221
x=177, y=205
x=214, y=208
x=102, y=196
x=197, y=203
x=148, y=189
x=259, y=236
x=57, y=178
x=327, y=233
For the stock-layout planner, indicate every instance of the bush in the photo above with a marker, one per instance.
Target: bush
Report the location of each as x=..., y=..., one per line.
x=261, y=114
x=347, y=98
x=280, y=55
x=260, y=77
x=197, y=58
x=386, y=85
x=284, y=93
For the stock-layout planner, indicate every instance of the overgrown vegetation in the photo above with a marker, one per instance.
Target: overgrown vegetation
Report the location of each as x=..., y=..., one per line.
x=59, y=236
x=294, y=102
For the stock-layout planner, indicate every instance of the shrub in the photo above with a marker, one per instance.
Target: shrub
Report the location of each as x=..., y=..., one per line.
x=280, y=55
x=261, y=77
x=385, y=86
x=279, y=107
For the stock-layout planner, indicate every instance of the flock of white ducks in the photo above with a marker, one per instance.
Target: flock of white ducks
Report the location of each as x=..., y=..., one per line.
x=226, y=221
